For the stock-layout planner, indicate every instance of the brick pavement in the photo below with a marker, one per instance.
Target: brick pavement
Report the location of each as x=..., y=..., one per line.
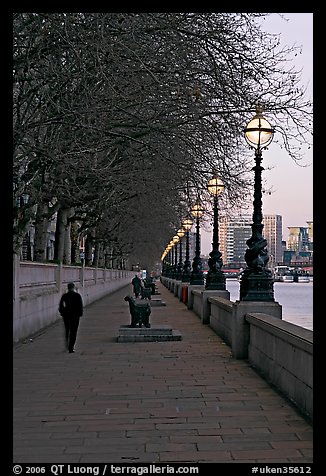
x=182, y=401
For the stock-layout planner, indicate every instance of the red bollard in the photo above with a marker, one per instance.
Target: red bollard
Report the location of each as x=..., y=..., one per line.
x=185, y=294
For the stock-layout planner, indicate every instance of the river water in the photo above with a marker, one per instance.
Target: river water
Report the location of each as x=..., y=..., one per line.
x=296, y=300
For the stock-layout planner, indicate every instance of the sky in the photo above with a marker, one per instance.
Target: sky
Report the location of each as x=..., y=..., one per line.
x=292, y=184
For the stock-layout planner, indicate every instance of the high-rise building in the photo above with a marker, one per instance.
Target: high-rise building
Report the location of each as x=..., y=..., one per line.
x=235, y=231
x=298, y=239
x=311, y=234
x=300, y=243
x=233, y=235
x=272, y=231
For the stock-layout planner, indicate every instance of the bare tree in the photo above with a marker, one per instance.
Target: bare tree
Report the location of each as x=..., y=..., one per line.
x=115, y=112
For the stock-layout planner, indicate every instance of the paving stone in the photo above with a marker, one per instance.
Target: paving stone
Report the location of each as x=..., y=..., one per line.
x=182, y=401
x=144, y=334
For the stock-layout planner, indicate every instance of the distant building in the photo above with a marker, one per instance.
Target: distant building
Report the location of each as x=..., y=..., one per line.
x=298, y=239
x=235, y=231
x=299, y=244
x=273, y=233
x=310, y=234
x=233, y=235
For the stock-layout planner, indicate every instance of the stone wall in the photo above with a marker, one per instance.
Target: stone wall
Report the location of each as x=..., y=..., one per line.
x=37, y=289
x=283, y=353
x=280, y=351
x=221, y=318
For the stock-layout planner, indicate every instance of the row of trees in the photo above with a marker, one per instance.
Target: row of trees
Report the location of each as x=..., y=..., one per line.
x=120, y=119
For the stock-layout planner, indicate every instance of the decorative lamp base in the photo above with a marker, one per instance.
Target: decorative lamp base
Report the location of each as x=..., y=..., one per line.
x=215, y=281
x=256, y=285
x=197, y=278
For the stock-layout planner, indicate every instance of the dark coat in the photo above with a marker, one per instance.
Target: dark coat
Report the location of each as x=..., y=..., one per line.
x=71, y=305
x=136, y=282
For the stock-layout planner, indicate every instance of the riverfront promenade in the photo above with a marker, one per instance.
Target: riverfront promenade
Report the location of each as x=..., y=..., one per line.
x=182, y=401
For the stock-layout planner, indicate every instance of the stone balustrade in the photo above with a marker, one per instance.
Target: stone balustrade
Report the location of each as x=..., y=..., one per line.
x=280, y=351
x=37, y=288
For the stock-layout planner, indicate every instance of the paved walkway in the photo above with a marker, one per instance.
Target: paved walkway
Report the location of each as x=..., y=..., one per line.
x=111, y=402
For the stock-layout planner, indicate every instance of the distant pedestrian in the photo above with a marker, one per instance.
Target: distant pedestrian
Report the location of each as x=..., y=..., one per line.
x=137, y=285
x=71, y=309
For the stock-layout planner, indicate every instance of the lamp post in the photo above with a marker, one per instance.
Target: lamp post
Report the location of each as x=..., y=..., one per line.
x=163, y=266
x=197, y=276
x=257, y=281
x=215, y=278
x=165, y=262
x=170, y=261
x=180, y=234
x=187, y=224
x=175, y=240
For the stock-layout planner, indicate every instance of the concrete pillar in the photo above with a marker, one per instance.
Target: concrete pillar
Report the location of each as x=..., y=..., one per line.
x=172, y=285
x=177, y=285
x=206, y=306
x=190, y=303
x=182, y=290
x=240, y=328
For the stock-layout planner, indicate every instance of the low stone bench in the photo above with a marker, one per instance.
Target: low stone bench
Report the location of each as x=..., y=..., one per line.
x=157, y=302
x=144, y=334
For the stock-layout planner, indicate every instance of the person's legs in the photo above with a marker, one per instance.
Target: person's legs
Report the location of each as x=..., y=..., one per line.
x=67, y=329
x=74, y=323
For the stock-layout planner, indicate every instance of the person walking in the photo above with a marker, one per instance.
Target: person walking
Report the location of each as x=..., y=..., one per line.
x=137, y=285
x=71, y=309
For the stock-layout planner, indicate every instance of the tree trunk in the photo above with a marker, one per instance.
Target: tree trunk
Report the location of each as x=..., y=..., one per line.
x=62, y=250
x=101, y=255
x=107, y=256
x=89, y=247
x=41, y=232
x=75, y=242
x=67, y=244
x=96, y=254
x=60, y=234
x=67, y=236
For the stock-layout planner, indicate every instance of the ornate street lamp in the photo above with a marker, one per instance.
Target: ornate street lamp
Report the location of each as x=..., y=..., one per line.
x=163, y=259
x=215, y=278
x=186, y=224
x=172, y=261
x=257, y=281
x=197, y=276
x=168, y=260
x=169, y=269
x=175, y=240
x=180, y=234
